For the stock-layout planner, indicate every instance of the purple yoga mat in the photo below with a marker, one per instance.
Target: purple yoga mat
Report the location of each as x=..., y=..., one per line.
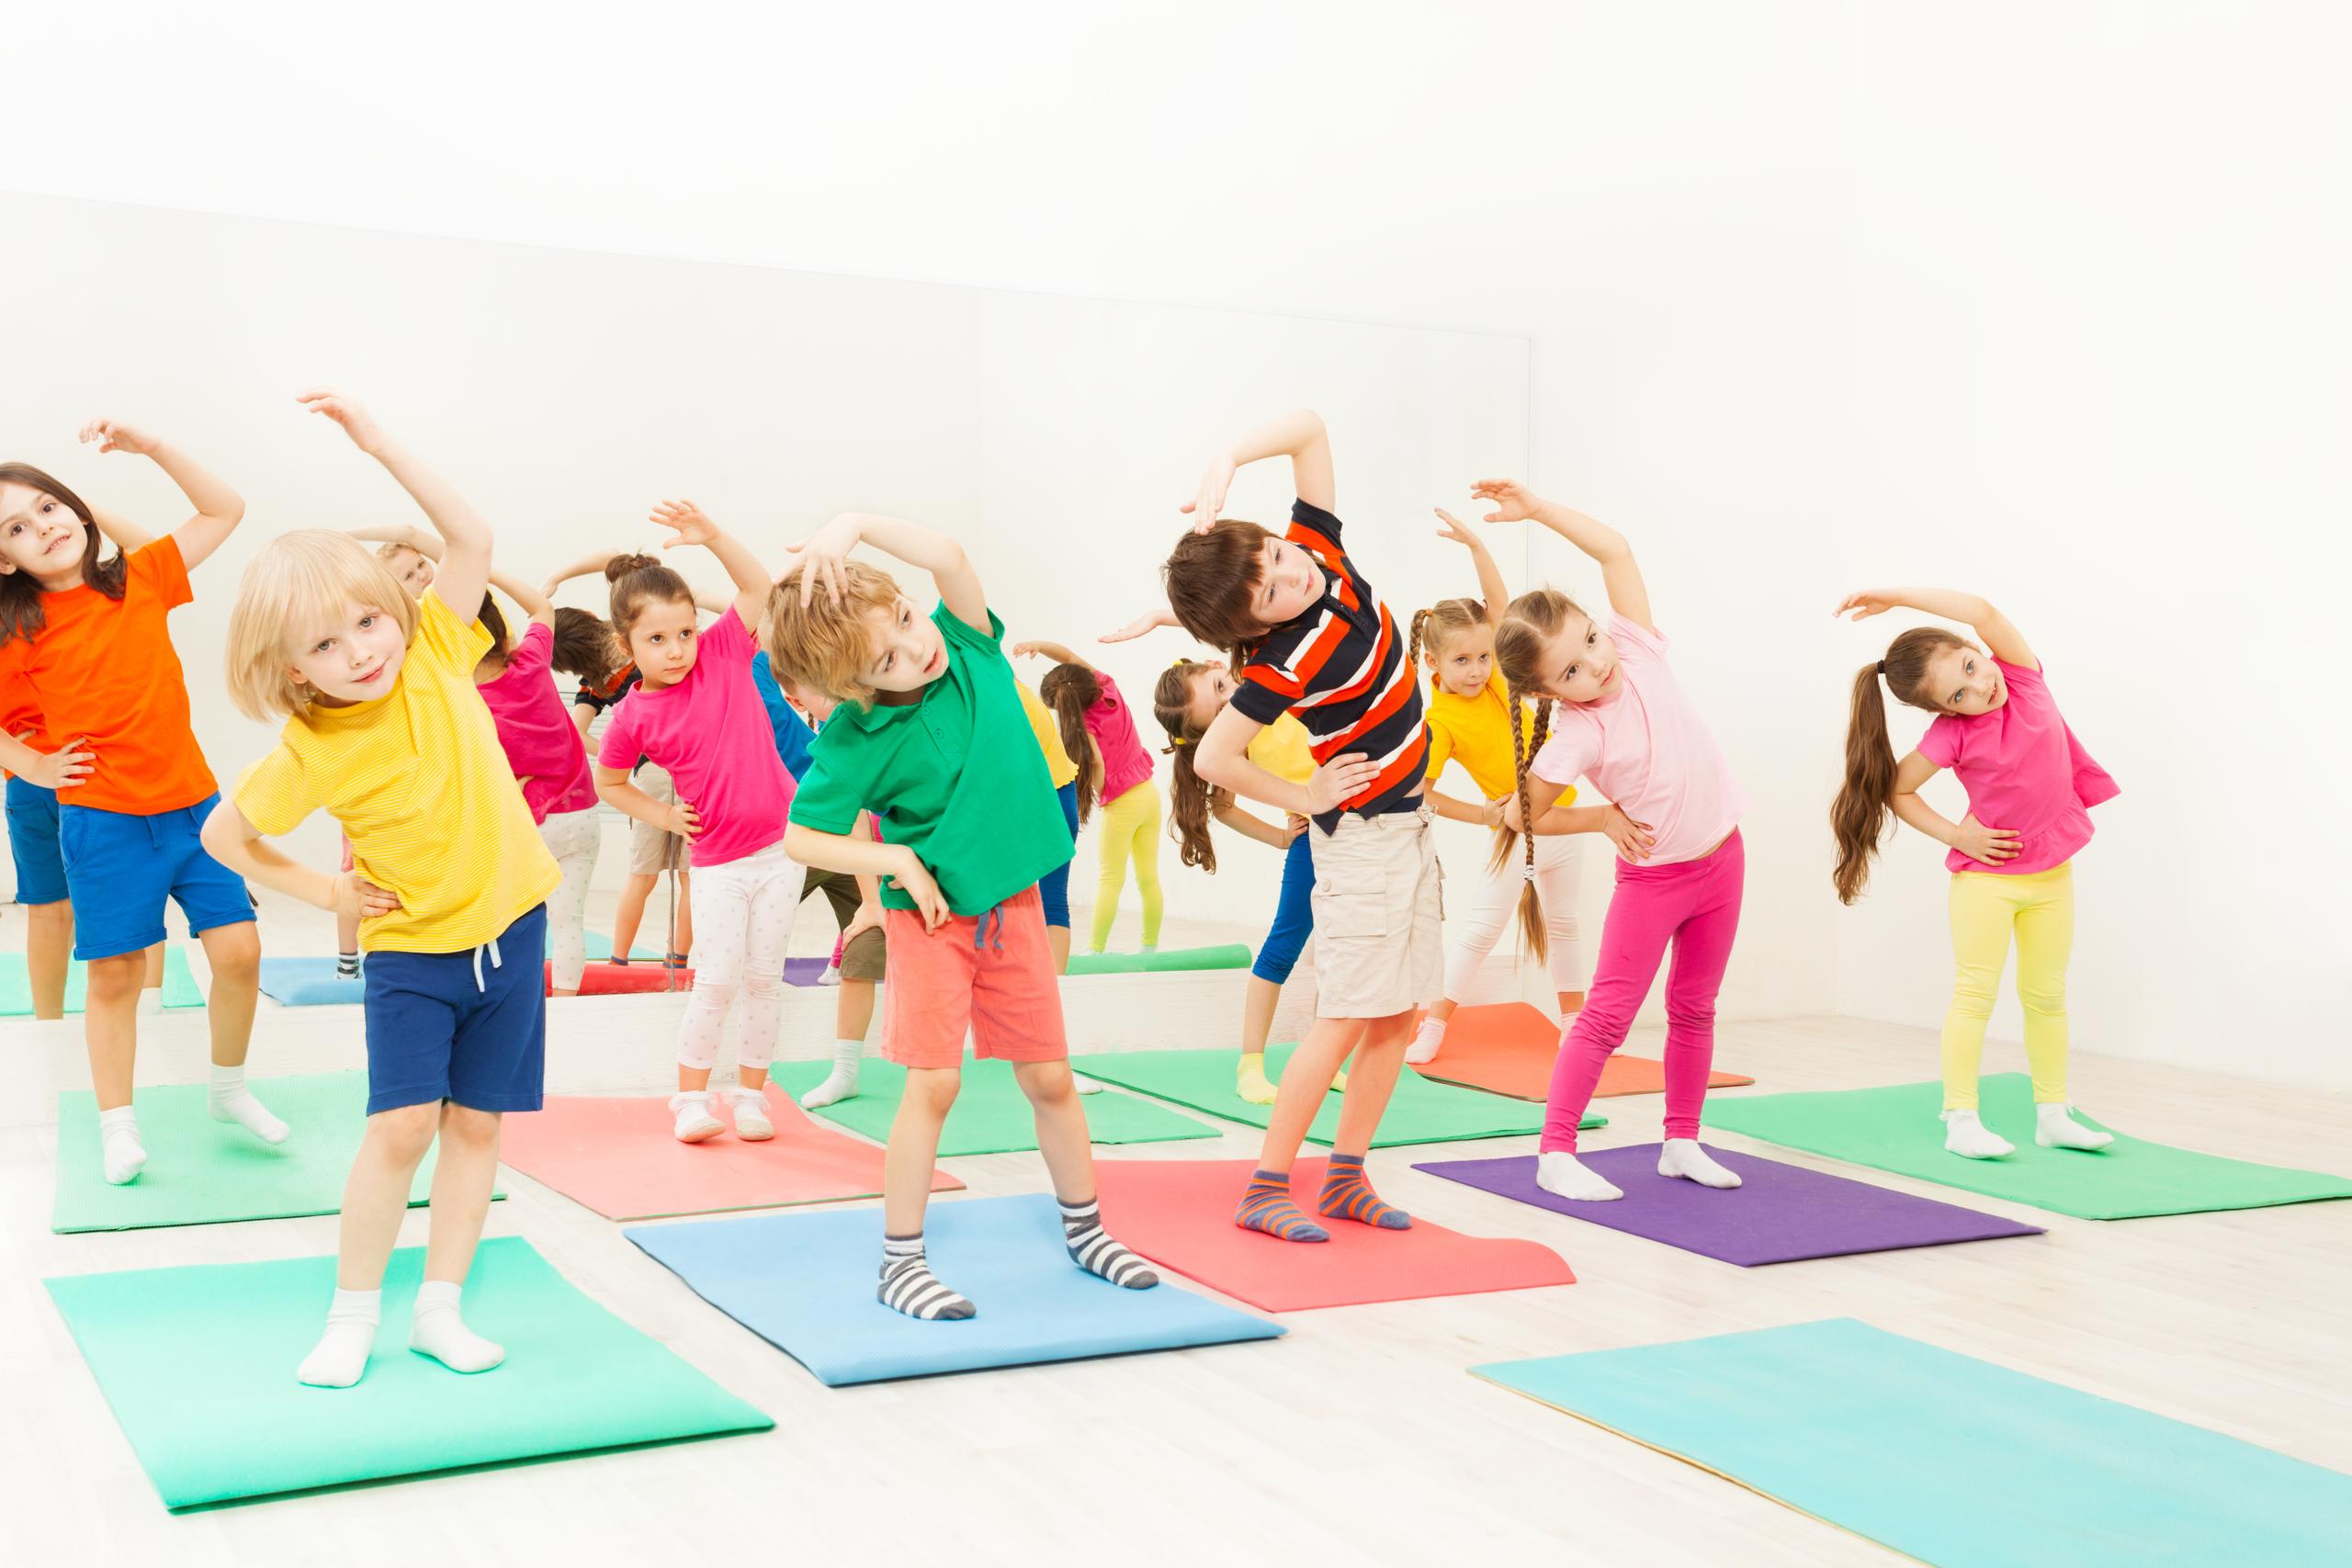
x=803, y=971
x=1779, y=1213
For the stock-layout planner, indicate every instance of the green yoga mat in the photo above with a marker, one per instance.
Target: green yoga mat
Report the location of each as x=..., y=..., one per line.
x=991, y=1114
x=17, y=988
x=203, y=1172
x=1232, y=956
x=1419, y=1111
x=1947, y=1459
x=199, y=1364
x=1895, y=1129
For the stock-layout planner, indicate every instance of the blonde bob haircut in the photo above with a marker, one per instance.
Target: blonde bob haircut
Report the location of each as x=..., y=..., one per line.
x=291, y=592
x=827, y=643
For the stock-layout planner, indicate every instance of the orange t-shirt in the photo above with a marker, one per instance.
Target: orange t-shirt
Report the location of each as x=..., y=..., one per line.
x=103, y=669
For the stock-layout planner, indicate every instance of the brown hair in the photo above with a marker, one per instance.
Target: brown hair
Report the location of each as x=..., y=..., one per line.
x=493, y=621
x=1858, y=816
x=637, y=582
x=1524, y=744
x=1189, y=798
x=1070, y=690
x=825, y=645
x=20, y=611
x=1528, y=621
x=1439, y=624
x=584, y=646
x=1211, y=579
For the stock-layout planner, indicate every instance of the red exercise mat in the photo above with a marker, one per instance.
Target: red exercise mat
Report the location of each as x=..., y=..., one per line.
x=1179, y=1212
x=1509, y=1049
x=619, y=1157
x=628, y=979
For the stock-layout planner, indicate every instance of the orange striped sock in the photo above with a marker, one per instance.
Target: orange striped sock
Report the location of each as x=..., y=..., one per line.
x=1266, y=1206
x=1347, y=1196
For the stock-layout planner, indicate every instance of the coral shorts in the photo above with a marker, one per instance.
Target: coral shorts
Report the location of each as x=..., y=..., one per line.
x=991, y=974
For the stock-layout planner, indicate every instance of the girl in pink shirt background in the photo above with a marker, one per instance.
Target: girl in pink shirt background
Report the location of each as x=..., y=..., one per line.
x=2030, y=787
x=1115, y=771
x=1610, y=710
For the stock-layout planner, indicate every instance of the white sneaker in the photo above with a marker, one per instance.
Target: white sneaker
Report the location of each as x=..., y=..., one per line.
x=695, y=1120
x=751, y=1109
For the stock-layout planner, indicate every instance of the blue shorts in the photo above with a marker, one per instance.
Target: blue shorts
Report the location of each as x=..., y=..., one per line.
x=121, y=867
x=1053, y=888
x=32, y=843
x=1293, y=915
x=460, y=1025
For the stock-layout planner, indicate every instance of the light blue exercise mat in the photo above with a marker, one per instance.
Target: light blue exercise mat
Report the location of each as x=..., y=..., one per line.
x=1947, y=1459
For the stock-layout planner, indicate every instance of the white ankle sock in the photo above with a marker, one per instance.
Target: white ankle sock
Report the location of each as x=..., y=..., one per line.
x=841, y=1082
x=341, y=1354
x=1966, y=1135
x=1685, y=1158
x=233, y=1101
x=1558, y=1171
x=126, y=1156
x=750, y=1109
x=2054, y=1128
x=1427, y=1042
x=694, y=1123
x=441, y=1334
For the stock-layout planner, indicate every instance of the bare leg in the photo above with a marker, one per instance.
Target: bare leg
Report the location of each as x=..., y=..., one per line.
x=463, y=1179
x=49, y=955
x=1061, y=1128
x=110, y=1025
x=233, y=954
x=913, y=1152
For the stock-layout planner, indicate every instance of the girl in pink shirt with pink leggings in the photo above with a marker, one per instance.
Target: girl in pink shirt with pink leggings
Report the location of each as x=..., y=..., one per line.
x=1610, y=709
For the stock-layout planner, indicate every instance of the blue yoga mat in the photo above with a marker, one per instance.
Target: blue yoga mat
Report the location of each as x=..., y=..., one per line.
x=307, y=982
x=1947, y=1459
x=804, y=1284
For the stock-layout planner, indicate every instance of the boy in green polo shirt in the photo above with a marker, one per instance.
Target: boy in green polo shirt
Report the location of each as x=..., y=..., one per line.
x=930, y=735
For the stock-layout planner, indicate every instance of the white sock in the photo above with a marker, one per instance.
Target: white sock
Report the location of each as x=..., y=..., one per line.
x=1966, y=1135
x=2054, y=1129
x=1084, y=1084
x=1558, y=1171
x=1427, y=1040
x=150, y=1001
x=441, y=1334
x=118, y=1140
x=695, y=1122
x=1685, y=1158
x=233, y=1101
x=841, y=1082
x=750, y=1109
x=341, y=1354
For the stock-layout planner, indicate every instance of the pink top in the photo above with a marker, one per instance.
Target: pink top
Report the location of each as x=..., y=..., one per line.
x=1648, y=750
x=1112, y=727
x=2023, y=768
x=710, y=732
x=542, y=744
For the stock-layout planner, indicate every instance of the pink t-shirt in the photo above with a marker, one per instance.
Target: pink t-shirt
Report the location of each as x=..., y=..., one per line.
x=710, y=733
x=1648, y=750
x=2023, y=768
x=542, y=744
x=1113, y=726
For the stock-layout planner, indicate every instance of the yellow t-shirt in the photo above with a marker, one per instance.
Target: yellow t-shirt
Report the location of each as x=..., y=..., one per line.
x=1049, y=735
x=1475, y=732
x=1284, y=749
x=421, y=786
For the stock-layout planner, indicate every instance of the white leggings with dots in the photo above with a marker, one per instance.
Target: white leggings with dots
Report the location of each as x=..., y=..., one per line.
x=743, y=912
x=1559, y=860
x=570, y=838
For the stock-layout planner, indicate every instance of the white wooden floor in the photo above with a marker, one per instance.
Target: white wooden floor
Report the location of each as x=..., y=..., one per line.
x=1358, y=1437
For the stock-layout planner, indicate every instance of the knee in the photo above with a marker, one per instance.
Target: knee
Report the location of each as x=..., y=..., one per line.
x=763, y=988
x=234, y=954
x=402, y=1134
x=1047, y=1083
x=465, y=1126
x=933, y=1091
x=1697, y=1013
x=112, y=979
x=51, y=920
x=2043, y=995
x=1971, y=993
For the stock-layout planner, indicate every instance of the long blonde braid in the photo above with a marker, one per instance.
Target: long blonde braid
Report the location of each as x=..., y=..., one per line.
x=1523, y=747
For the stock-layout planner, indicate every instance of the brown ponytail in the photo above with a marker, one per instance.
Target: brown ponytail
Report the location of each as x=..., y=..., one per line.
x=1523, y=747
x=584, y=647
x=1858, y=816
x=1189, y=799
x=1070, y=690
x=493, y=621
x=640, y=581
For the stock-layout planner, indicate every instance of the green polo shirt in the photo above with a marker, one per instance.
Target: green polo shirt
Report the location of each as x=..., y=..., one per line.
x=956, y=777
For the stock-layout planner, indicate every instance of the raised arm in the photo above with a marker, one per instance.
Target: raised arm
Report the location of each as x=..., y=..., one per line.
x=1620, y=576
x=593, y=564
x=219, y=509
x=1491, y=587
x=534, y=604
x=818, y=562
x=1150, y=620
x=464, y=574
x=126, y=535
x=1298, y=436
x=1052, y=650
x=689, y=525
x=2001, y=636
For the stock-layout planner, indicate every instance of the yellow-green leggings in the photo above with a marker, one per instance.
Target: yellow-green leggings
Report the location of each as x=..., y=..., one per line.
x=1987, y=908
x=1130, y=831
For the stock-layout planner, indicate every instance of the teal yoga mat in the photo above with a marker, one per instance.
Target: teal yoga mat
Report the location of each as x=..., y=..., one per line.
x=1947, y=1459
x=202, y=1172
x=17, y=989
x=1232, y=956
x=600, y=950
x=991, y=1114
x=199, y=1364
x=1420, y=1112
x=1895, y=1129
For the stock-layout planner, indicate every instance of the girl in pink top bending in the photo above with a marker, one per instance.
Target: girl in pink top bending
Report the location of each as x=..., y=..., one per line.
x=1998, y=729
x=1623, y=721
x=1099, y=732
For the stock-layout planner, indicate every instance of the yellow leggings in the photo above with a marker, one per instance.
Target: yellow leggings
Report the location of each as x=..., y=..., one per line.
x=1987, y=910
x=1130, y=831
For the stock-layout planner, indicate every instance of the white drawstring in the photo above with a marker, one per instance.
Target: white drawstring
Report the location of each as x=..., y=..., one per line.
x=495, y=962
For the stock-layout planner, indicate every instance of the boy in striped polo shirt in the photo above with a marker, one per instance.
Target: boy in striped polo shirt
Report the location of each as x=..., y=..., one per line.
x=1310, y=637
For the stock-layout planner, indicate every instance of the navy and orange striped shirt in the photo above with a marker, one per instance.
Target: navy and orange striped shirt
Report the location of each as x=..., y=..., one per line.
x=1343, y=669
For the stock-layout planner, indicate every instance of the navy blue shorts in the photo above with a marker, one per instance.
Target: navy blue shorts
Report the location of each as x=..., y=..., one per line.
x=1053, y=888
x=32, y=843
x=121, y=867
x=460, y=1026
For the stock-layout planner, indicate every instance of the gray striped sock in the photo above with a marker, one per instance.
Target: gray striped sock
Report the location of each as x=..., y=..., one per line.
x=909, y=1285
x=1093, y=1250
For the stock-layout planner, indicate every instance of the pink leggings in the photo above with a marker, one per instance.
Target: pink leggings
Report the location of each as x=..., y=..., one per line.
x=1694, y=904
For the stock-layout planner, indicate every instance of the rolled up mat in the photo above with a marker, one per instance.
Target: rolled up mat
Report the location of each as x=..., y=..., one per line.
x=309, y=982
x=1897, y=1129
x=1509, y=1048
x=991, y=1115
x=1231, y=955
x=628, y=979
x=17, y=989
x=1946, y=1459
x=199, y=1364
x=1779, y=1213
x=806, y=1284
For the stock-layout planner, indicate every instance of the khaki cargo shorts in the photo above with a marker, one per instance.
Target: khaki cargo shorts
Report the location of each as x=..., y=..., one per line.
x=1379, y=915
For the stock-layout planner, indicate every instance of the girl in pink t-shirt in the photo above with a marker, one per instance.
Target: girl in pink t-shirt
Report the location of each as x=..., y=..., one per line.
x=1998, y=729
x=1608, y=709
x=697, y=713
x=1098, y=730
